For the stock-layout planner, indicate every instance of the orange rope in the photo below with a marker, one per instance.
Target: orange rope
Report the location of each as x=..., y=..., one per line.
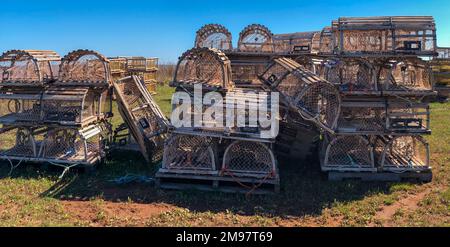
x=250, y=188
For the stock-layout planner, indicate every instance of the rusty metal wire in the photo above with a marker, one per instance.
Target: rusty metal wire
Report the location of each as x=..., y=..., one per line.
x=84, y=66
x=249, y=158
x=192, y=153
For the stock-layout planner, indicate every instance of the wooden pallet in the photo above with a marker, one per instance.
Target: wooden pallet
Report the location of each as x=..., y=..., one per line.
x=177, y=181
x=423, y=177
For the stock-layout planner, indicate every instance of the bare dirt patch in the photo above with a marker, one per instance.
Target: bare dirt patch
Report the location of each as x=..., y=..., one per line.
x=98, y=213
x=409, y=203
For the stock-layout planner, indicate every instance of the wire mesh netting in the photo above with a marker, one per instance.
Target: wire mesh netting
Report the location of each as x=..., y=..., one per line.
x=351, y=74
x=186, y=152
x=19, y=108
x=213, y=36
x=207, y=66
x=316, y=99
x=65, y=145
x=86, y=66
x=249, y=158
x=362, y=117
x=408, y=117
x=143, y=116
x=26, y=66
x=255, y=38
x=403, y=153
x=17, y=142
x=348, y=153
x=404, y=75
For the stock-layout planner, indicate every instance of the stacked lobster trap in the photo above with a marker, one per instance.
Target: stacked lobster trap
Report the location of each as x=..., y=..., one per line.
x=217, y=154
x=53, y=110
x=385, y=85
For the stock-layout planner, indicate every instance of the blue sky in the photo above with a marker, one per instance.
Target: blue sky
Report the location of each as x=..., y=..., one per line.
x=167, y=28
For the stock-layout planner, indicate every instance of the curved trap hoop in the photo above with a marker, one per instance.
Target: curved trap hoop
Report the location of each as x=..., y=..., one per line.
x=207, y=66
x=246, y=158
x=348, y=153
x=408, y=76
x=29, y=67
x=213, y=36
x=404, y=153
x=315, y=99
x=353, y=75
x=84, y=66
x=256, y=38
x=189, y=154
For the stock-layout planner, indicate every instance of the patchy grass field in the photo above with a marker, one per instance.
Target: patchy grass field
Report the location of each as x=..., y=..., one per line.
x=34, y=196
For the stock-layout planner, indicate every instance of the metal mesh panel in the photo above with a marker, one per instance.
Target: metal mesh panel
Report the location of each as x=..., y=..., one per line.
x=184, y=152
x=203, y=65
x=251, y=158
x=348, y=153
x=17, y=142
x=405, y=75
x=247, y=73
x=404, y=153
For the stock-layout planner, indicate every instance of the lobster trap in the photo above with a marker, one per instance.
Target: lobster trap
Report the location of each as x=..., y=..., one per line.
x=326, y=41
x=20, y=105
x=405, y=76
x=403, y=153
x=207, y=66
x=256, y=38
x=190, y=154
x=353, y=75
x=84, y=66
x=144, y=118
x=295, y=43
x=74, y=146
x=362, y=117
x=315, y=99
x=213, y=36
x=347, y=153
x=28, y=67
x=249, y=159
x=406, y=35
x=17, y=143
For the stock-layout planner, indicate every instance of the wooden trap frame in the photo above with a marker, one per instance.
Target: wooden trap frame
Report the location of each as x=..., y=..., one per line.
x=256, y=38
x=61, y=146
x=347, y=154
x=144, y=118
x=386, y=116
x=380, y=36
x=402, y=153
x=28, y=67
x=214, y=36
x=207, y=66
x=314, y=98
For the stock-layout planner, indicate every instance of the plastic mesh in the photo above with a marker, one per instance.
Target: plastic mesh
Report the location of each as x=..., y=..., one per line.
x=249, y=157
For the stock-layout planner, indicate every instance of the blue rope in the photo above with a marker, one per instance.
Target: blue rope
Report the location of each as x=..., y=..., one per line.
x=129, y=178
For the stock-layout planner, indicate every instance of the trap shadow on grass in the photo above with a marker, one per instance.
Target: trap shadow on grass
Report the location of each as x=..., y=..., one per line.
x=304, y=188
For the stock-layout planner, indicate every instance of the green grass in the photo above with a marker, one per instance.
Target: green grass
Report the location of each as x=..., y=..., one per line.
x=33, y=195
